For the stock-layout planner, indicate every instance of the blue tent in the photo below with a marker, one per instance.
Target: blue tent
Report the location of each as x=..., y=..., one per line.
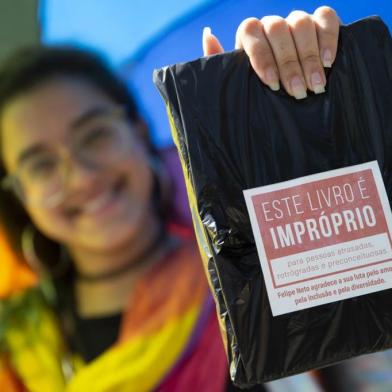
x=140, y=35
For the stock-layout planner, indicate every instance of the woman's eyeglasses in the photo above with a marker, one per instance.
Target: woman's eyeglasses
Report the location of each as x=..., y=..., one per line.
x=41, y=176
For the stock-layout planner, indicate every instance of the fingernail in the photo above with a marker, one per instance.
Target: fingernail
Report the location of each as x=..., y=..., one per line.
x=327, y=58
x=298, y=88
x=317, y=83
x=206, y=31
x=272, y=79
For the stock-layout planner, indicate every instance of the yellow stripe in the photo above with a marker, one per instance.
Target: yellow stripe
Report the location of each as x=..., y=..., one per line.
x=138, y=365
x=201, y=234
x=35, y=355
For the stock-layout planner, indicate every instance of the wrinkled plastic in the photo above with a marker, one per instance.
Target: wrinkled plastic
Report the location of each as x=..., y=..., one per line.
x=234, y=133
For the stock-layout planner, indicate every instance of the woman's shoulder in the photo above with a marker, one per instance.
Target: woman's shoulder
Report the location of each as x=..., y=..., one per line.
x=17, y=306
x=24, y=314
x=30, y=337
x=18, y=313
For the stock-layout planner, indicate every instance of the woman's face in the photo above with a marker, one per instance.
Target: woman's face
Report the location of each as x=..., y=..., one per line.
x=102, y=205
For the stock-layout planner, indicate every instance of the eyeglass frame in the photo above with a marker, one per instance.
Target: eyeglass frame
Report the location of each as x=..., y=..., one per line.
x=11, y=182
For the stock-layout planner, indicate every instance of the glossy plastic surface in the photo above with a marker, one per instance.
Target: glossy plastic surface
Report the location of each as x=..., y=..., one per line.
x=234, y=133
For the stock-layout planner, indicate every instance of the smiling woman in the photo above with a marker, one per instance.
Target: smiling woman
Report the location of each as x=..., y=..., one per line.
x=83, y=201
x=65, y=186
x=91, y=204
x=123, y=303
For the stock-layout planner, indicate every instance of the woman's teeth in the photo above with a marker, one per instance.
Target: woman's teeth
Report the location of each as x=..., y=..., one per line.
x=99, y=202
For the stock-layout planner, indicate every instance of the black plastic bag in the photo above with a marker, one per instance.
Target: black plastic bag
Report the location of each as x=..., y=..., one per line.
x=234, y=133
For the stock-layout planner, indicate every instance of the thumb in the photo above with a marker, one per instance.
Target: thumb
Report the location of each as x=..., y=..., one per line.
x=211, y=44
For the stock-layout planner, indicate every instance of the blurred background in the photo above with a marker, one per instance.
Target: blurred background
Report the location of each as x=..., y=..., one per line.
x=137, y=36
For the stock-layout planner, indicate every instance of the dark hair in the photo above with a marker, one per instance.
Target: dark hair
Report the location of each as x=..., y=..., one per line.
x=22, y=72
x=31, y=66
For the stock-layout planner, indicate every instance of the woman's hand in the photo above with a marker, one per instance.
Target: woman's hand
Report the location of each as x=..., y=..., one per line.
x=291, y=51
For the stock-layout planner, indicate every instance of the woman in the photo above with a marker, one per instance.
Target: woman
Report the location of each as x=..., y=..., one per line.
x=123, y=304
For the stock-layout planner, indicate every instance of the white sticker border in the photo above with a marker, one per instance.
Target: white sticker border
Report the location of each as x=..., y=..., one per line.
x=249, y=193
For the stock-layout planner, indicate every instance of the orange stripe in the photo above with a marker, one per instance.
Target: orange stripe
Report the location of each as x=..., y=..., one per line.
x=14, y=276
x=165, y=293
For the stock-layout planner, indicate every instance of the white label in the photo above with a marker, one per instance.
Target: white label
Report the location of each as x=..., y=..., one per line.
x=323, y=238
